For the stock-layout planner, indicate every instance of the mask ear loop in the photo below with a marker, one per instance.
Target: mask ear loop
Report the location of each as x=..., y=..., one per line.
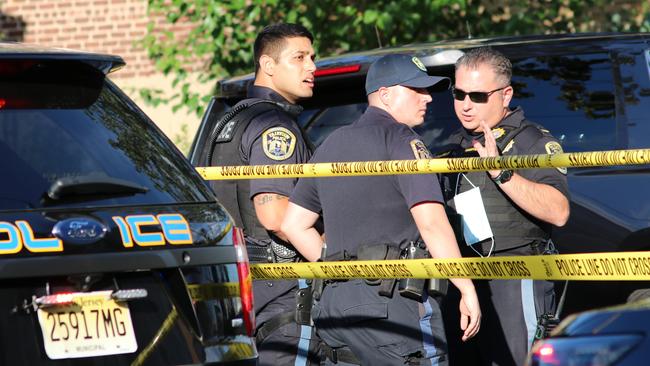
x=492, y=237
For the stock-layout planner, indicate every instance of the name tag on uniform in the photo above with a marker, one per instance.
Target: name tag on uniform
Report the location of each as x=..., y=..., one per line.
x=476, y=226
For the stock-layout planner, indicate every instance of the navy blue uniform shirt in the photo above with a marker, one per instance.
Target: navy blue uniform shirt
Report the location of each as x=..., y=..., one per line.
x=367, y=210
x=273, y=137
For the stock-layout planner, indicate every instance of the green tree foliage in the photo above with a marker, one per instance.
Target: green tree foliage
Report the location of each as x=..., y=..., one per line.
x=223, y=32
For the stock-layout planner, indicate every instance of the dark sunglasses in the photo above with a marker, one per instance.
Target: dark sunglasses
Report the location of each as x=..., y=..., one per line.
x=476, y=97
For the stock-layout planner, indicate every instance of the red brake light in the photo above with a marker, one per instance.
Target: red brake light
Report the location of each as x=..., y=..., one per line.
x=245, y=281
x=64, y=298
x=337, y=70
x=546, y=350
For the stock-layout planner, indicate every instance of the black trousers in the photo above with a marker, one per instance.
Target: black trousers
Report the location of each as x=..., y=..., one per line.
x=291, y=344
x=380, y=330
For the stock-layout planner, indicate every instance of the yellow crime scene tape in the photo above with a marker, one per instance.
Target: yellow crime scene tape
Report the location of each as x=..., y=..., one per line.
x=632, y=266
x=627, y=266
x=424, y=166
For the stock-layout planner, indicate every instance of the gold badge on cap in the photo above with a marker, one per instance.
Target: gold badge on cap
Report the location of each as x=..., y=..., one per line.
x=419, y=64
x=420, y=149
x=278, y=143
x=553, y=147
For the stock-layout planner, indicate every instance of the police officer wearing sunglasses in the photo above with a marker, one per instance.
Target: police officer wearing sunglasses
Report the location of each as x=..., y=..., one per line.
x=521, y=207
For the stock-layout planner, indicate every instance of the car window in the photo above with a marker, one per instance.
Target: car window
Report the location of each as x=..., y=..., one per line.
x=69, y=135
x=572, y=96
x=326, y=120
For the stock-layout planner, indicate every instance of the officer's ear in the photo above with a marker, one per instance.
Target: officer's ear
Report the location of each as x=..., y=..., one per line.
x=508, y=93
x=267, y=64
x=384, y=95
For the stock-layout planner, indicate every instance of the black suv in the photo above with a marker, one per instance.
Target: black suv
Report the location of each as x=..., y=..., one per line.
x=591, y=90
x=113, y=250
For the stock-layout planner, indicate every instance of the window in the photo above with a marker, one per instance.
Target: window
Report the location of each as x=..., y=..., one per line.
x=325, y=121
x=58, y=127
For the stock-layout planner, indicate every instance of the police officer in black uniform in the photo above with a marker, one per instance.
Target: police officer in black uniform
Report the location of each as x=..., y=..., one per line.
x=374, y=322
x=262, y=130
x=520, y=207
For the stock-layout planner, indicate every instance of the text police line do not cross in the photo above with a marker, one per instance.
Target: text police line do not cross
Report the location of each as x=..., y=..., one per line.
x=425, y=166
x=627, y=266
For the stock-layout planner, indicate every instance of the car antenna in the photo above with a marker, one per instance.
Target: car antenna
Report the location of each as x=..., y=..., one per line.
x=469, y=31
x=378, y=38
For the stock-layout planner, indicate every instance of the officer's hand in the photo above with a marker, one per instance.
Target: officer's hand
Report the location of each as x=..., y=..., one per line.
x=470, y=315
x=490, y=149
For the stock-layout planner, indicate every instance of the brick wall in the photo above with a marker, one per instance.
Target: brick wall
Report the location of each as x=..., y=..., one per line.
x=104, y=26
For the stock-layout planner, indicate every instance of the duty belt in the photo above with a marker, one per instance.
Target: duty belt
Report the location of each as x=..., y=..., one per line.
x=270, y=251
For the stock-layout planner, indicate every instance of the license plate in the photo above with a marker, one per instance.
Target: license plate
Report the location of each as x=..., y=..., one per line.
x=93, y=325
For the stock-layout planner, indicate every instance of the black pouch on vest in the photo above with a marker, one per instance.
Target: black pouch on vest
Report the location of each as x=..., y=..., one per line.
x=380, y=252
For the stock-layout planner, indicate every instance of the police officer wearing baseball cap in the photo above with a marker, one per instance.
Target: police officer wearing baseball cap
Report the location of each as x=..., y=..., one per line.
x=374, y=322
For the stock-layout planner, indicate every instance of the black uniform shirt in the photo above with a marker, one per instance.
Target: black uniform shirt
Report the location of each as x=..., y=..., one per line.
x=273, y=137
x=367, y=210
x=523, y=144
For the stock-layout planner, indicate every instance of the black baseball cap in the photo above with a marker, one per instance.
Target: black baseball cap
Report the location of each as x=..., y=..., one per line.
x=399, y=69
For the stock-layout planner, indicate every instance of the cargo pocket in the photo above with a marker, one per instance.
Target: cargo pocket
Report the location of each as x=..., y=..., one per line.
x=363, y=312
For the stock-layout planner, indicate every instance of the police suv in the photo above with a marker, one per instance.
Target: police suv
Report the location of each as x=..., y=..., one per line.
x=113, y=250
x=592, y=91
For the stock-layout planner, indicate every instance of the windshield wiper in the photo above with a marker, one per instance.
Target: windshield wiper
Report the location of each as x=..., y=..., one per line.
x=92, y=185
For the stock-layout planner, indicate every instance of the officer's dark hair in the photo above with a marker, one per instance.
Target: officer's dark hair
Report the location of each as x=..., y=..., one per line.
x=272, y=38
x=491, y=57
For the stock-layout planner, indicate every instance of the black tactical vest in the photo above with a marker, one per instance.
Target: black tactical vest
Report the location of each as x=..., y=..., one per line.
x=225, y=139
x=511, y=226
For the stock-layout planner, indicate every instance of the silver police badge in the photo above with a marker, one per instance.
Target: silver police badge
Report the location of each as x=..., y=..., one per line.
x=278, y=143
x=420, y=149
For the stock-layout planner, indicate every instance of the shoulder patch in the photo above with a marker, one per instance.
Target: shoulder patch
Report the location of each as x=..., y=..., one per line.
x=420, y=149
x=552, y=147
x=278, y=143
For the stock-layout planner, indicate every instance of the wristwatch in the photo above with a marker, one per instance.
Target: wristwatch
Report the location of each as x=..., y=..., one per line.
x=503, y=177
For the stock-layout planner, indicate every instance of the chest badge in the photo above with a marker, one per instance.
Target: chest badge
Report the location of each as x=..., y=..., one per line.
x=278, y=143
x=498, y=133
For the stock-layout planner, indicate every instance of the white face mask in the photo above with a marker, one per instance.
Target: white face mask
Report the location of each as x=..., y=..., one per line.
x=469, y=205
